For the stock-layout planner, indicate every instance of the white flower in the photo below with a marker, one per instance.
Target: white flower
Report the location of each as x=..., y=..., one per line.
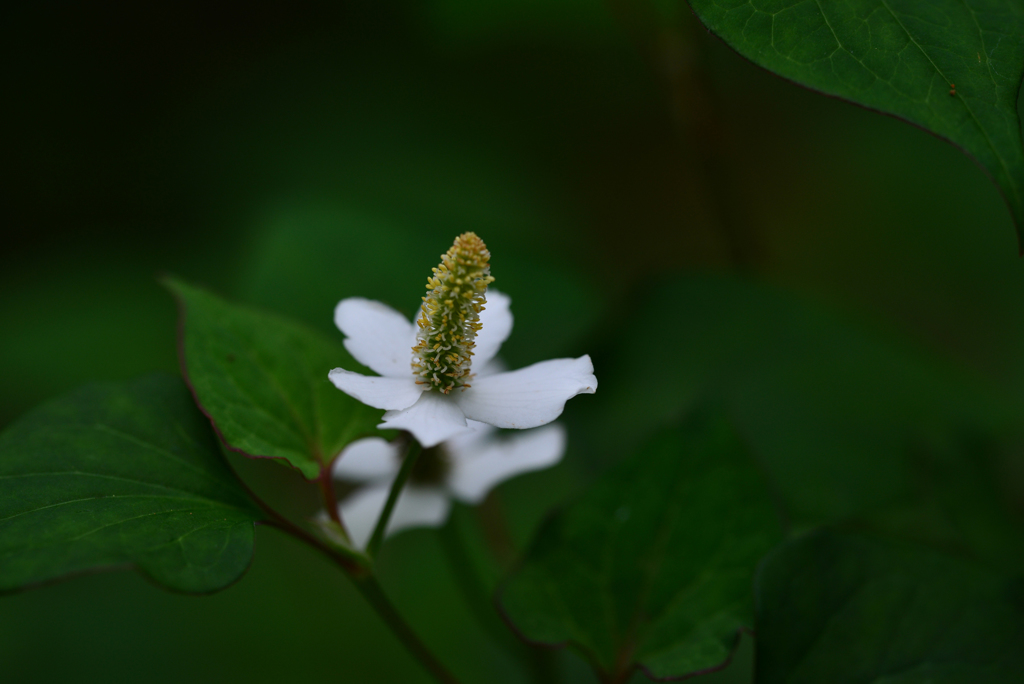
x=465, y=467
x=382, y=339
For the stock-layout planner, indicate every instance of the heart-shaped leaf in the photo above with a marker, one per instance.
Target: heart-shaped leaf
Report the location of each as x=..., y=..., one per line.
x=952, y=67
x=653, y=567
x=121, y=474
x=262, y=380
x=845, y=608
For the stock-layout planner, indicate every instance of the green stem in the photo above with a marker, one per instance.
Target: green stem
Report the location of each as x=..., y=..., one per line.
x=375, y=596
x=359, y=569
x=354, y=563
x=363, y=579
x=330, y=501
x=396, y=488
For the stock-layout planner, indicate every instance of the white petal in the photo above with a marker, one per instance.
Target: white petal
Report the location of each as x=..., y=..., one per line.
x=530, y=396
x=480, y=427
x=360, y=511
x=416, y=507
x=383, y=393
x=471, y=441
x=495, y=327
x=376, y=335
x=419, y=507
x=367, y=459
x=475, y=473
x=431, y=420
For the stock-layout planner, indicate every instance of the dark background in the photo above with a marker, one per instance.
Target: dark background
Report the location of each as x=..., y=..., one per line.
x=649, y=197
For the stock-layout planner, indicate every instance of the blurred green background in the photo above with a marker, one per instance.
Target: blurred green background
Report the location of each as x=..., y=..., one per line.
x=847, y=284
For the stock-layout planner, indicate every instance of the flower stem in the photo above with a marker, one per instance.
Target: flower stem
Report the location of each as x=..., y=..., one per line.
x=365, y=582
x=375, y=596
x=359, y=569
x=396, y=488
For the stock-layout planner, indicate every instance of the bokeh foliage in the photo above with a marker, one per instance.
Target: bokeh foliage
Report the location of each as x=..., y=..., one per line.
x=864, y=303
x=872, y=609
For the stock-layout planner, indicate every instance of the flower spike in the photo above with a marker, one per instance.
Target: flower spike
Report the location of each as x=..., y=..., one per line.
x=451, y=331
x=450, y=316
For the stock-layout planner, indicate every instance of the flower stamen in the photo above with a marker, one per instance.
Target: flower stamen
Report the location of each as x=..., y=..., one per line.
x=450, y=316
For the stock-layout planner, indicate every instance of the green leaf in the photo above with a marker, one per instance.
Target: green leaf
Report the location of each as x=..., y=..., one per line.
x=262, y=380
x=654, y=565
x=850, y=608
x=900, y=57
x=119, y=474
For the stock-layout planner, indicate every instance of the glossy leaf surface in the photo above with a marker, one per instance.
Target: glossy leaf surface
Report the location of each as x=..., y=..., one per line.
x=262, y=380
x=121, y=474
x=653, y=566
x=848, y=608
x=952, y=67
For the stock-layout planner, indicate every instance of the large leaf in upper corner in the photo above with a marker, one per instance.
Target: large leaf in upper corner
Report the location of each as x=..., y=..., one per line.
x=262, y=380
x=654, y=566
x=847, y=608
x=900, y=57
x=121, y=474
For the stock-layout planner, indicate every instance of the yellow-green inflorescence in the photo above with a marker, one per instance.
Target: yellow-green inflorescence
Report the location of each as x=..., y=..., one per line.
x=450, y=316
